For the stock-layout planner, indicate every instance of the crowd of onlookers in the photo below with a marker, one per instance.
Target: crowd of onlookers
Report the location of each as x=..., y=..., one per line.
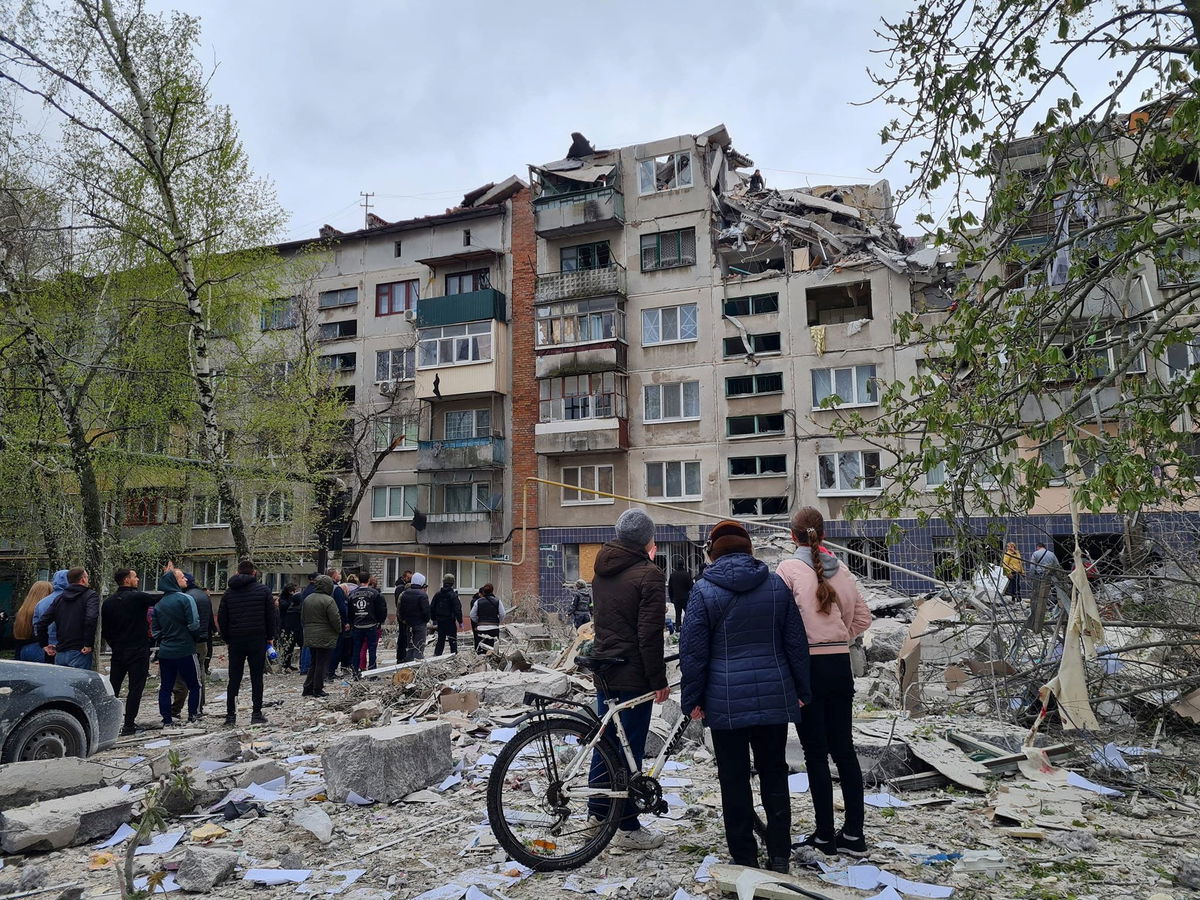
x=330, y=627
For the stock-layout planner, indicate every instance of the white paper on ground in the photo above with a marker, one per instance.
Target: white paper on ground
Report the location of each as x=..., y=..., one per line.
x=913, y=888
x=575, y=885
x=160, y=843
x=748, y=881
x=674, y=800
x=888, y=893
x=474, y=893
x=211, y=765
x=681, y=894
x=133, y=760
x=262, y=792
x=277, y=876
x=444, y=892
x=358, y=799
x=672, y=766
x=884, y=801
x=798, y=783
x=124, y=832
x=222, y=696
x=502, y=735
x=702, y=874
x=1109, y=756
x=168, y=884
x=449, y=782
x=275, y=784
x=486, y=760
x=1140, y=751
x=675, y=782
x=1076, y=780
x=154, y=745
x=863, y=878
x=348, y=876
x=301, y=757
x=611, y=888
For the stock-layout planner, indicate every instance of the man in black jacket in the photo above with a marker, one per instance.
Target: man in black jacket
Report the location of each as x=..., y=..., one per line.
x=75, y=613
x=629, y=596
x=247, y=622
x=368, y=611
x=412, y=615
x=127, y=632
x=446, y=611
x=204, y=642
x=679, y=587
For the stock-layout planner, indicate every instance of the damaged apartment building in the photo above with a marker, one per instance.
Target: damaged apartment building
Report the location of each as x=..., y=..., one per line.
x=691, y=323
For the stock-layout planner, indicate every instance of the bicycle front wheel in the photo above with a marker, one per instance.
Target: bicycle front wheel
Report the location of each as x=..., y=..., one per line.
x=538, y=793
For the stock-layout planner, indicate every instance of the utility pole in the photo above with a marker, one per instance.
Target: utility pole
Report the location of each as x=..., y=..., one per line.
x=366, y=205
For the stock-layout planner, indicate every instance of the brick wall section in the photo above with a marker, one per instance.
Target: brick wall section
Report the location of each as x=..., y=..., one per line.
x=524, y=399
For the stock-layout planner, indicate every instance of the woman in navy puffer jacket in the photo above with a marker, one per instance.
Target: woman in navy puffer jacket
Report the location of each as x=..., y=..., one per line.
x=744, y=656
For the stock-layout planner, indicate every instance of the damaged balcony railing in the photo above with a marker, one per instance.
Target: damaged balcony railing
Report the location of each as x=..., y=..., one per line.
x=580, y=284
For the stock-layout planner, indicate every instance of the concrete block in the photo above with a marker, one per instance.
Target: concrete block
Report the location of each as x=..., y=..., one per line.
x=368, y=709
x=23, y=783
x=240, y=775
x=884, y=639
x=388, y=763
x=505, y=690
x=221, y=746
x=65, y=822
x=202, y=868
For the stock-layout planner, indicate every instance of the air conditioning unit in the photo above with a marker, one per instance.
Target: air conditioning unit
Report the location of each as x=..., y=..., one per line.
x=410, y=315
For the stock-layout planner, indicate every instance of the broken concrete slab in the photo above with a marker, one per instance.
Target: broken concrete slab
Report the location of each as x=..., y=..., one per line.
x=23, y=783
x=66, y=821
x=508, y=689
x=367, y=710
x=202, y=869
x=884, y=639
x=390, y=762
x=241, y=775
x=221, y=746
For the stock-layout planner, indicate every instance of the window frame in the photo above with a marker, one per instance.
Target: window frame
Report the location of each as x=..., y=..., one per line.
x=740, y=347
x=285, y=308
x=405, y=504
x=385, y=294
x=585, y=315
x=661, y=389
x=679, y=261
x=758, y=466
x=754, y=378
x=871, y=383
x=475, y=413
x=408, y=360
x=450, y=336
x=679, y=317
x=337, y=362
x=758, y=431
x=840, y=490
x=752, y=301
x=595, y=247
x=337, y=295
x=474, y=487
x=384, y=436
x=583, y=499
x=758, y=506
x=664, y=479
x=616, y=405
x=342, y=333
x=207, y=500
x=482, y=278
x=647, y=172
x=262, y=508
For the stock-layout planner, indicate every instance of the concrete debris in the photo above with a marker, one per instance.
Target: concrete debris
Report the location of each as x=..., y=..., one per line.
x=884, y=639
x=23, y=783
x=66, y=821
x=316, y=822
x=220, y=746
x=502, y=690
x=242, y=775
x=1188, y=873
x=202, y=869
x=366, y=711
x=388, y=763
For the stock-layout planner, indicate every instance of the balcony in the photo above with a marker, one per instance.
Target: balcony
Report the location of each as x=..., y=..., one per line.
x=473, y=306
x=464, y=380
x=581, y=436
x=552, y=286
x=579, y=212
x=463, y=528
x=465, y=453
x=559, y=362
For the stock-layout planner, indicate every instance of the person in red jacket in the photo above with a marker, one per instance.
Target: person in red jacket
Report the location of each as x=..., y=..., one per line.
x=834, y=616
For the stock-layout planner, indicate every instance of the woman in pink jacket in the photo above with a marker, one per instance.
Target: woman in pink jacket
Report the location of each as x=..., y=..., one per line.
x=834, y=615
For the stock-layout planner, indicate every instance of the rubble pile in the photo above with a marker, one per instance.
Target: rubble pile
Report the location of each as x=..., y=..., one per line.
x=379, y=791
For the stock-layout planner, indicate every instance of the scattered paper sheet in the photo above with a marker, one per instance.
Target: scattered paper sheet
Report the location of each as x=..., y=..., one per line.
x=449, y=782
x=681, y=894
x=262, y=792
x=210, y=765
x=675, y=782
x=160, y=843
x=748, y=881
x=672, y=766
x=885, y=801
x=155, y=745
x=674, y=799
x=277, y=876
x=914, y=888
x=888, y=893
x=867, y=878
x=358, y=799
x=167, y=886
x=348, y=876
x=1076, y=780
x=474, y=893
x=485, y=761
x=702, y=874
x=302, y=757
x=502, y=735
x=123, y=833
x=612, y=888
x=798, y=783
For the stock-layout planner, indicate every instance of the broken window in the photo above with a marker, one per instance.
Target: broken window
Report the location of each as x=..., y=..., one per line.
x=665, y=173
x=754, y=305
x=600, y=395
x=279, y=313
x=848, y=472
x=757, y=466
x=338, y=362
x=758, y=506
x=466, y=282
x=332, y=331
x=873, y=568
x=759, y=344
x=849, y=386
x=745, y=426
x=594, y=255
x=749, y=385
x=668, y=249
x=580, y=321
x=839, y=303
x=342, y=297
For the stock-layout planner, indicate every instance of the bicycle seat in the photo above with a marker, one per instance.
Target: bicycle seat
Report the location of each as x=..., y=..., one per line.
x=599, y=663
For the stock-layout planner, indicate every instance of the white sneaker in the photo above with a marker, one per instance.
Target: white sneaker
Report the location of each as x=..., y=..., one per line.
x=592, y=828
x=642, y=839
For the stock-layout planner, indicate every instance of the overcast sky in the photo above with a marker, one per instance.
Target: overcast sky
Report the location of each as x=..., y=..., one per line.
x=420, y=102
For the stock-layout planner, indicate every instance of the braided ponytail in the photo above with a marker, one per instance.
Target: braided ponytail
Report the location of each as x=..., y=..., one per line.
x=808, y=528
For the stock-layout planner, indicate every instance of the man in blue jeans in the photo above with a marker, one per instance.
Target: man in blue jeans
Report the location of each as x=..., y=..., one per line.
x=75, y=613
x=629, y=596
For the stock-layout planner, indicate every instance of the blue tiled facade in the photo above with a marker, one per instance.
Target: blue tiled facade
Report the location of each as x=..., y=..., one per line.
x=915, y=550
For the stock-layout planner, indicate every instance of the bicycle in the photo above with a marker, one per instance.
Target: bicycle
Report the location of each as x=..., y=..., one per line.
x=560, y=759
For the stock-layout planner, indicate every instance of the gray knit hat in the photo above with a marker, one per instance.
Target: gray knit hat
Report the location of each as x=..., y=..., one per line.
x=447, y=578
x=635, y=527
